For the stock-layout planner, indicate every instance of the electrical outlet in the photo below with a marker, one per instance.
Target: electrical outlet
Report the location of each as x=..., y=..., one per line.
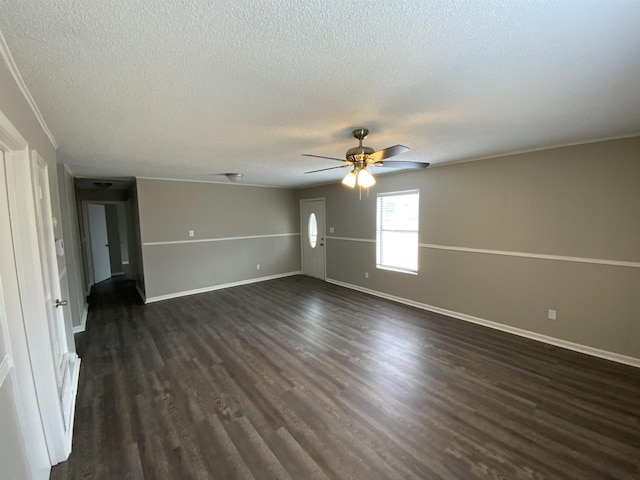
x=191, y=233
x=258, y=267
x=552, y=314
x=331, y=230
x=366, y=274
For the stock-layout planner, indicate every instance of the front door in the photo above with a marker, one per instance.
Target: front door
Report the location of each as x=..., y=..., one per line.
x=313, y=238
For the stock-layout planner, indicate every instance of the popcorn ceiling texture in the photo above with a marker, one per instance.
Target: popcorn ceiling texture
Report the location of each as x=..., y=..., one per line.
x=190, y=88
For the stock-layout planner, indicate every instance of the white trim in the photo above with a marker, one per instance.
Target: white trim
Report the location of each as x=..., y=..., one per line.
x=220, y=239
x=311, y=199
x=508, y=253
x=83, y=323
x=221, y=182
x=10, y=137
x=5, y=367
x=412, y=191
x=348, y=239
x=17, y=77
x=599, y=261
x=217, y=287
x=576, y=347
x=532, y=150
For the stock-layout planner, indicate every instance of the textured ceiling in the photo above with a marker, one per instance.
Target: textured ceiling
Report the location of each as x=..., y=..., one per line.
x=192, y=88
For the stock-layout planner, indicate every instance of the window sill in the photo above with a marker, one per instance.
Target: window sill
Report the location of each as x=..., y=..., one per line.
x=395, y=269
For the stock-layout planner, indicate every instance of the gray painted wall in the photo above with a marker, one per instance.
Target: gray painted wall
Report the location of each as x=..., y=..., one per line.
x=136, y=267
x=580, y=201
x=218, y=214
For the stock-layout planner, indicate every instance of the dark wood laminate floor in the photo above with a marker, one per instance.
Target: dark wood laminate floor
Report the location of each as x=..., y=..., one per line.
x=296, y=378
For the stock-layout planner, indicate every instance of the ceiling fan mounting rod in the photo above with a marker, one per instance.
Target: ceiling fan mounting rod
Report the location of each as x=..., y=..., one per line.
x=360, y=152
x=360, y=134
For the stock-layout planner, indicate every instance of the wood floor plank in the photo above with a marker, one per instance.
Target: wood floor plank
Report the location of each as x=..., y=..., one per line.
x=296, y=378
x=293, y=457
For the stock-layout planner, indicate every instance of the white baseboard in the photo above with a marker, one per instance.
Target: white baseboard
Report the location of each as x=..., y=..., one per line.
x=576, y=347
x=218, y=287
x=83, y=323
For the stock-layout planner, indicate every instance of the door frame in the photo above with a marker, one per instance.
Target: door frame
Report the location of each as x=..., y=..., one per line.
x=31, y=332
x=324, y=233
x=29, y=432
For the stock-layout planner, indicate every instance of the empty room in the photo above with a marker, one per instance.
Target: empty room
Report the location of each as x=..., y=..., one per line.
x=320, y=240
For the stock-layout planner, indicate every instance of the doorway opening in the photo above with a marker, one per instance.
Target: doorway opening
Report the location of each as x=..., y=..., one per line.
x=106, y=228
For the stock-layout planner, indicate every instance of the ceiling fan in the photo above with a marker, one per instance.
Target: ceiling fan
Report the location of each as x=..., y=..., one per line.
x=360, y=158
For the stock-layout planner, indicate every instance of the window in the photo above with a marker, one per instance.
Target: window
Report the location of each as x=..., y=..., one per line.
x=313, y=230
x=397, y=231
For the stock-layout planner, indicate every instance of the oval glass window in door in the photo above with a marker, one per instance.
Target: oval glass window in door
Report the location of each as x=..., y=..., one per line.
x=313, y=230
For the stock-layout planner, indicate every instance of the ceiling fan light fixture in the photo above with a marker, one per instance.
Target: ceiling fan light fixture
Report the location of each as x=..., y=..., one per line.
x=365, y=179
x=360, y=158
x=350, y=179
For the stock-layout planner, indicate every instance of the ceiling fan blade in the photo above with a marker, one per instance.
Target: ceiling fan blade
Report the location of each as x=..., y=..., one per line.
x=394, y=164
x=388, y=152
x=330, y=168
x=321, y=156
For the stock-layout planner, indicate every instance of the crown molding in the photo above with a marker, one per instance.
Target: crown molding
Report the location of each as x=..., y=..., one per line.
x=15, y=73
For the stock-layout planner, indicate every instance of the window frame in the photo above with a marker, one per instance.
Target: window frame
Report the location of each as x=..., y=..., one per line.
x=380, y=230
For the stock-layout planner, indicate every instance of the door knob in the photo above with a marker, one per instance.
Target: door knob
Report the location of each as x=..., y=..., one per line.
x=61, y=303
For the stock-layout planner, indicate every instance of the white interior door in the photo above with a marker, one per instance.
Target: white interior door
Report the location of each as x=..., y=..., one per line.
x=54, y=302
x=99, y=242
x=313, y=238
x=65, y=361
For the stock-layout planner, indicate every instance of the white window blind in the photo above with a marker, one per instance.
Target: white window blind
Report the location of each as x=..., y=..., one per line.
x=397, y=231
